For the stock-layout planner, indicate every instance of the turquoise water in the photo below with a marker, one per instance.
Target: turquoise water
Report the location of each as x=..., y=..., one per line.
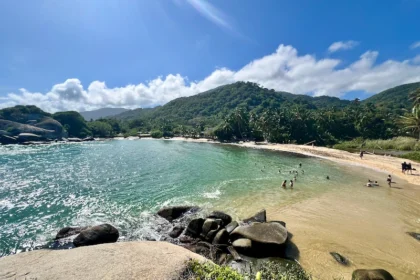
x=123, y=182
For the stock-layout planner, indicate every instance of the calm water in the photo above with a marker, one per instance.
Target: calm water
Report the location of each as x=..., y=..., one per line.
x=44, y=188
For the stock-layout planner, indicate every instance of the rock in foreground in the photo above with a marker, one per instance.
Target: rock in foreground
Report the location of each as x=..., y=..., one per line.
x=371, y=274
x=175, y=212
x=104, y=233
x=122, y=260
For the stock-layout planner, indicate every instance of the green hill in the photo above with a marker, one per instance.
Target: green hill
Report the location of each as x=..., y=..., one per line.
x=394, y=99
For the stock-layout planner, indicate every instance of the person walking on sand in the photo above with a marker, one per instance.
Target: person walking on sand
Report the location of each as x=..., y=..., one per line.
x=389, y=180
x=284, y=184
x=291, y=184
x=361, y=154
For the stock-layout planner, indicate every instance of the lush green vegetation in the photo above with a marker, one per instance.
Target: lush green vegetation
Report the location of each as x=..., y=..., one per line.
x=267, y=270
x=412, y=156
x=396, y=143
x=74, y=123
x=22, y=114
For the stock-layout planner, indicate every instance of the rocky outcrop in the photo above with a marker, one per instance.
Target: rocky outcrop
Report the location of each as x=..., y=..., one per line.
x=104, y=233
x=25, y=137
x=69, y=231
x=260, y=217
x=371, y=274
x=144, y=260
x=226, y=219
x=267, y=233
x=8, y=140
x=194, y=227
x=176, y=231
x=175, y=212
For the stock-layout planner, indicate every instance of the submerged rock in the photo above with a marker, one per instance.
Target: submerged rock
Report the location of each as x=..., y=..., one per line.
x=260, y=217
x=104, y=233
x=339, y=258
x=371, y=274
x=69, y=231
x=175, y=212
x=221, y=216
x=176, y=231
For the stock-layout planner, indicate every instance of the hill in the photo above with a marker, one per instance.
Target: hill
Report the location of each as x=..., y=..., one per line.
x=394, y=99
x=102, y=113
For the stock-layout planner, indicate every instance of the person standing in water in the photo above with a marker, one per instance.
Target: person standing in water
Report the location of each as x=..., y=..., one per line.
x=389, y=180
x=361, y=154
x=284, y=184
x=300, y=165
x=291, y=184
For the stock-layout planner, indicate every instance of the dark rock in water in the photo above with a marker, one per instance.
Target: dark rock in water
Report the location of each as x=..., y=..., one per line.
x=69, y=231
x=243, y=245
x=260, y=217
x=176, y=231
x=175, y=212
x=340, y=259
x=230, y=227
x=104, y=233
x=371, y=274
x=210, y=225
x=89, y=139
x=221, y=238
x=221, y=216
x=271, y=233
x=414, y=235
x=7, y=140
x=280, y=222
x=194, y=227
x=74, y=139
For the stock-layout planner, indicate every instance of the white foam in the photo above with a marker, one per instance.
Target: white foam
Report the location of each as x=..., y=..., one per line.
x=213, y=195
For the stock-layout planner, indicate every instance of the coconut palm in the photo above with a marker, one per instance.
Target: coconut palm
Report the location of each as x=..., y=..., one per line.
x=415, y=97
x=411, y=122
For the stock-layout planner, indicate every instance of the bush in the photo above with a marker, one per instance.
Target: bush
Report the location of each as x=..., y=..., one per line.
x=208, y=271
x=412, y=156
x=396, y=143
x=156, y=134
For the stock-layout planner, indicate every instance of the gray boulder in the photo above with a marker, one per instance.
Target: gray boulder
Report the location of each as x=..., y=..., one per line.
x=280, y=222
x=74, y=139
x=260, y=217
x=210, y=229
x=230, y=227
x=104, y=233
x=221, y=216
x=176, y=231
x=69, y=231
x=175, y=212
x=194, y=227
x=221, y=238
x=24, y=137
x=242, y=245
x=270, y=233
x=371, y=274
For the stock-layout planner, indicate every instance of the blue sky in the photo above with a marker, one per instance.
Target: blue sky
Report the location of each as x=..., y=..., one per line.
x=86, y=54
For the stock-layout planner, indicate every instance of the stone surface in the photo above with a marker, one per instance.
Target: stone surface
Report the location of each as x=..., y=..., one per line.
x=280, y=222
x=271, y=233
x=174, y=212
x=371, y=274
x=230, y=227
x=7, y=140
x=414, y=235
x=221, y=216
x=209, y=226
x=221, y=238
x=194, y=227
x=104, y=233
x=242, y=244
x=340, y=259
x=176, y=231
x=23, y=137
x=260, y=217
x=122, y=260
x=69, y=231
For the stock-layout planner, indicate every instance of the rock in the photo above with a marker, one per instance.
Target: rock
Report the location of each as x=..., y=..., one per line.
x=176, y=231
x=187, y=239
x=209, y=225
x=221, y=216
x=234, y=253
x=271, y=233
x=7, y=140
x=175, y=212
x=414, y=235
x=207, y=250
x=90, y=138
x=194, y=227
x=104, y=233
x=212, y=234
x=25, y=137
x=280, y=222
x=74, y=139
x=371, y=274
x=243, y=245
x=221, y=238
x=69, y=231
x=230, y=227
x=339, y=258
x=260, y=217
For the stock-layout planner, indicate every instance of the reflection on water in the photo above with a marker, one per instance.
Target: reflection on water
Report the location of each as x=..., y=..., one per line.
x=44, y=188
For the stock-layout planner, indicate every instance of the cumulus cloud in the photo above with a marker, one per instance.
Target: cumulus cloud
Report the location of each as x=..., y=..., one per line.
x=347, y=45
x=283, y=70
x=415, y=45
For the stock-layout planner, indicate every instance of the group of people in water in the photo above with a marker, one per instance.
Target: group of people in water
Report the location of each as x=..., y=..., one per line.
x=295, y=173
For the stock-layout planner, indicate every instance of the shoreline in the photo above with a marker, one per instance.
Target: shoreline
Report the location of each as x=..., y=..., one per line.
x=380, y=163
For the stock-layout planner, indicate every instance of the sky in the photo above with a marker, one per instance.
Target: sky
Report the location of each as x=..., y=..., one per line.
x=88, y=54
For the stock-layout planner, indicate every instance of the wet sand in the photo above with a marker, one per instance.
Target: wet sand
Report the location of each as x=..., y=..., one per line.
x=367, y=225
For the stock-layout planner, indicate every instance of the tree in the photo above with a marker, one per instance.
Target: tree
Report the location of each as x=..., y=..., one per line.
x=100, y=129
x=411, y=122
x=414, y=96
x=74, y=123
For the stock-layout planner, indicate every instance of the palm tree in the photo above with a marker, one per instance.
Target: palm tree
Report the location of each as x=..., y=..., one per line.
x=415, y=97
x=412, y=122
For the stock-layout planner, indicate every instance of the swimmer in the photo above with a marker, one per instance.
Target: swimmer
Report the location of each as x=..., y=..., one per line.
x=284, y=184
x=300, y=164
x=328, y=177
x=294, y=178
x=368, y=184
x=291, y=184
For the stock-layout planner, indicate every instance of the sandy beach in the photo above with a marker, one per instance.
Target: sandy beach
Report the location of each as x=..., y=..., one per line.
x=366, y=225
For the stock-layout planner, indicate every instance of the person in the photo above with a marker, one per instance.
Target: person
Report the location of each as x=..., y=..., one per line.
x=403, y=167
x=328, y=177
x=284, y=184
x=279, y=171
x=389, y=180
x=291, y=184
x=368, y=184
x=409, y=168
x=294, y=178
x=369, y=181
x=300, y=164
x=361, y=154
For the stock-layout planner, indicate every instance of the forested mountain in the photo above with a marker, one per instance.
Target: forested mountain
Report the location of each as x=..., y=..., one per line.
x=395, y=98
x=102, y=113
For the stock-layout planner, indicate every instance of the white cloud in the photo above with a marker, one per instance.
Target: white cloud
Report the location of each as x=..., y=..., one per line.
x=283, y=70
x=415, y=45
x=347, y=45
x=210, y=12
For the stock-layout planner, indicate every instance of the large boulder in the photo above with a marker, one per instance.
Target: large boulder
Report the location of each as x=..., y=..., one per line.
x=231, y=226
x=194, y=227
x=221, y=216
x=260, y=217
x=371, y=274
x=7, y=140
x=104, y=233
x=174, y=212
x=243, y=245
x=176, y=231
x=24, y=137
x=74, y=139
x=221, y=238
x=69, y=231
